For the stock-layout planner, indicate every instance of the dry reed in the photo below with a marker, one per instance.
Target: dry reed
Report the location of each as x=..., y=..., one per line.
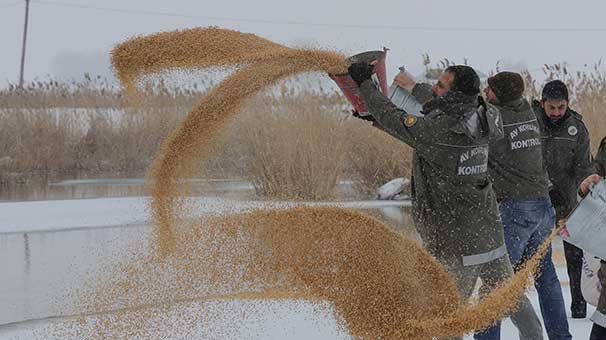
x=65, y=140
x=60, y=113
x=375, y=157
x=295, y=147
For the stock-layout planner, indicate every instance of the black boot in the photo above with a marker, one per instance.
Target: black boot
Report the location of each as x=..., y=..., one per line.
x=574, y=264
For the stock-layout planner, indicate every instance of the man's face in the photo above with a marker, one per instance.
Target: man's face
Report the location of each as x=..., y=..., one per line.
x=555, y=108
x=490, y=96
x=443, y=84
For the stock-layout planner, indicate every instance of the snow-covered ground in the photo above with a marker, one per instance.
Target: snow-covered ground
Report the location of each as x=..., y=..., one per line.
x=278, y=320
x=31, y=235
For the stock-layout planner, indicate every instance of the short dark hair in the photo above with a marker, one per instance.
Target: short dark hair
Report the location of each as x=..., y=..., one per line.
x=555, y=89
x=466, y=79
x=507, y=86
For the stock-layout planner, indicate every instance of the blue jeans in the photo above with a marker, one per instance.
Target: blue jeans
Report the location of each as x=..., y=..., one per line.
x=527, y=224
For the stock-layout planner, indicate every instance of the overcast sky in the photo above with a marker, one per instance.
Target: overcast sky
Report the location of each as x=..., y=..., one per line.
x=68, y=41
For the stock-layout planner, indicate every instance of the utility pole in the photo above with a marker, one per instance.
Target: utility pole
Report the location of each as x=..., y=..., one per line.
x=24, y=42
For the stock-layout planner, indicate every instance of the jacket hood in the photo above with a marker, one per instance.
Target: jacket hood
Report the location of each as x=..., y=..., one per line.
x=493, y=121
x=517, y=104
x=481, y=120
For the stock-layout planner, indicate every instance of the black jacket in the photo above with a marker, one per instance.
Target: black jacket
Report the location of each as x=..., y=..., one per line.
x=567, y=156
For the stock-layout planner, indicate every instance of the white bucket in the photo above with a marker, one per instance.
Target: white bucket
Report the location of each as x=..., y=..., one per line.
x=587, y=223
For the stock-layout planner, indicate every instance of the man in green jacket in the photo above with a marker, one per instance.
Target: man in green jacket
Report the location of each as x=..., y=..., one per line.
x=454, y=206
x=520, y=182
x=567, y=158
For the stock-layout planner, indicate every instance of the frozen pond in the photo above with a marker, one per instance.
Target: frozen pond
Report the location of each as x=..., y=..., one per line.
x=76, y=186
x=49, y=248
x=40, y=268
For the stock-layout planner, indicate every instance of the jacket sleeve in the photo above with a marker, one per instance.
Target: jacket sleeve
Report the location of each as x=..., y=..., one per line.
x=422, y=93
x=600, y=159
x=412, y=101
x=413, y=130
x=583, y=163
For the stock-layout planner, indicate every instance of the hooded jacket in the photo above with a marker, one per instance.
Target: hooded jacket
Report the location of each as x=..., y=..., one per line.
x=454, y=206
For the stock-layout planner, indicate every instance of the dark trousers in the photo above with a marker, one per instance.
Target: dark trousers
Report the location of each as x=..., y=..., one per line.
x=574, y=264
x=597, y=333
x=526, y=224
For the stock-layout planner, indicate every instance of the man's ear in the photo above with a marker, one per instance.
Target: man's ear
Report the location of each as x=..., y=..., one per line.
x=542, y=102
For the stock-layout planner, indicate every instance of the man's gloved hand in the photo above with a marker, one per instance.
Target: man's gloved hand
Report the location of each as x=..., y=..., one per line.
x=368, y=118
x=359, y=72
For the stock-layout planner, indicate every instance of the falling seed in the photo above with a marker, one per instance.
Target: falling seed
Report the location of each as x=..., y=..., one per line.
x=379, y=284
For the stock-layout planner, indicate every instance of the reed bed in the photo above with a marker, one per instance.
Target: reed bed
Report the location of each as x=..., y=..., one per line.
x=298, y=142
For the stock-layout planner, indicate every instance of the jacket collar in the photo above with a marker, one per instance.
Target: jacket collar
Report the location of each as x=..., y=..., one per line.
x=514, y=104
x=453, y=102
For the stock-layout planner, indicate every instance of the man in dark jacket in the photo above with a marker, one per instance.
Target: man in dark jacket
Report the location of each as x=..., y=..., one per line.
x=598, y=331
x=521, y=185
x=454, y=206
x=567, y=158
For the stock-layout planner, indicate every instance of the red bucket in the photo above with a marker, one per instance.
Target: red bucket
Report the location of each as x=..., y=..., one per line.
x=349, y=86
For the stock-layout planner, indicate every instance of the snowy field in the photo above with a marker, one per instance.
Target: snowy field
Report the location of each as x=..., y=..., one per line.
x=280, y=320
x=39, y=240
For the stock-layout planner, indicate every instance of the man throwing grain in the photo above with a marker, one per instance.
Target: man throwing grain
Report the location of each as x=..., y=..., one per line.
x=454, y=206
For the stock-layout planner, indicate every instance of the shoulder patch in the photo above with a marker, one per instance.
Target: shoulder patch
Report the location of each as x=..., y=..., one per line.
x=410, y=121
x=572, y=130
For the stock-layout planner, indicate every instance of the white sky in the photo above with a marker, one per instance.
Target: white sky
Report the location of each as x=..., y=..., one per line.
x=67, y=41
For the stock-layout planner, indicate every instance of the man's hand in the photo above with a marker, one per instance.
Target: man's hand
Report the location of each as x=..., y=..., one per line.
x=404, y=81
x=563, y=230
x=587, y=182
x=360, y=72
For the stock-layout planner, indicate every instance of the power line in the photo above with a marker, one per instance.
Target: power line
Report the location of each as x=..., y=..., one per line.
x=324, y=24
